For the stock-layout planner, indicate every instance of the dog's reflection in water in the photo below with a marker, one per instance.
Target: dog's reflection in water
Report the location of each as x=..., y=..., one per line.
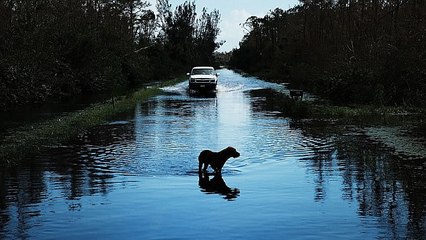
x=217, y=185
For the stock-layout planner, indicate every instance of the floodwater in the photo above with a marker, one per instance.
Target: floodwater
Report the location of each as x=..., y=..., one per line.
x=137, y=177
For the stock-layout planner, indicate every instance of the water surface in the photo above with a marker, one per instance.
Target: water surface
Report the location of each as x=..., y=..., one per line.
x=136, y=177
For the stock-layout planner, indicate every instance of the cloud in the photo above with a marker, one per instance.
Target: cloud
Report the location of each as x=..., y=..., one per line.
x=231, y=28
x=152, y=2
x=230, y=24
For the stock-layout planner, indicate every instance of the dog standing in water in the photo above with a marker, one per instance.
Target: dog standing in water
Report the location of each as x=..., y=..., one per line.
x=216, y=159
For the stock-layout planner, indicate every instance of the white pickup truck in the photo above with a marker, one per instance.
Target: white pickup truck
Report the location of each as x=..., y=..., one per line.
x=202, y=79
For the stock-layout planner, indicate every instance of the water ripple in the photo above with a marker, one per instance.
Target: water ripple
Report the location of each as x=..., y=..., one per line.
x=297, y=178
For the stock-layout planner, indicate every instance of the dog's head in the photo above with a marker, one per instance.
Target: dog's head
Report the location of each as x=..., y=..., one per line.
x=232, y=152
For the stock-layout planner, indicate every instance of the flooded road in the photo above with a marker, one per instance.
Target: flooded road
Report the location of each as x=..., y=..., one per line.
x=136, y=177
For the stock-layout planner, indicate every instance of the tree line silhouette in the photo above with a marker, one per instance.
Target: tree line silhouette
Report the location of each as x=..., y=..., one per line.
x=351, y=51
x=52, y=48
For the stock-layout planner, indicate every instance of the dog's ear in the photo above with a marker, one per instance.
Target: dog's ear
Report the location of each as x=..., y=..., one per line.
x=231, y=149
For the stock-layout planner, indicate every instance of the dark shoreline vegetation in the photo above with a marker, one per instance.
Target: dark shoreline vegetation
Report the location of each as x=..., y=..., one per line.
x=33, y=137
x=352, y=114
x=350, y=52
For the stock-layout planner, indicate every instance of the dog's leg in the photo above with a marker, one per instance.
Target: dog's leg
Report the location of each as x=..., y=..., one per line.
x=201, y=158
x=200, y=164
x=219, y=166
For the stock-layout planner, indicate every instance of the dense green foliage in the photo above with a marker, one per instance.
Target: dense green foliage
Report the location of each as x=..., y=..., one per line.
x=349, y=51
x=53, y=48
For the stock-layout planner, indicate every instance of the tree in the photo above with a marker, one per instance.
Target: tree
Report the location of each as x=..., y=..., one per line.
x=54, y=49
x=205, y=36
x=189, y=40
x=349, y=51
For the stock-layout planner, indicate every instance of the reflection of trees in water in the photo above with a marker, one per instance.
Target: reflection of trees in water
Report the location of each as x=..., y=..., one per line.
x=321, y=162
x=19, y=190
x=71, y=172
x=384, y=186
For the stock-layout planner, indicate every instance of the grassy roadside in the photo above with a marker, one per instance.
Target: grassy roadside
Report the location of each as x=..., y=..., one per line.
x=32, y=138
x=367, y=111
x=322, y=109
x=400, y=128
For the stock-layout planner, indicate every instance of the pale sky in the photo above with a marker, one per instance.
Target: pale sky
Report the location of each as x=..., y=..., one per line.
x=235, y=12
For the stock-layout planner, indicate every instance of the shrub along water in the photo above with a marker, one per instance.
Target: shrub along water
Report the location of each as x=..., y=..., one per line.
x=34, y=137
x=320, y=109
